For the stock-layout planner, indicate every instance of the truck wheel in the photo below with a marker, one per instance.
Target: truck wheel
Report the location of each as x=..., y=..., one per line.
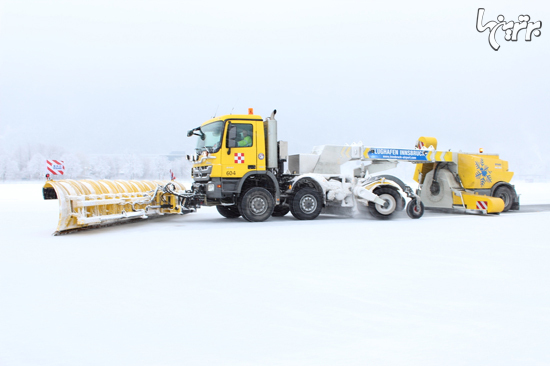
x=306, y=204
x=256, y=204
x=231, y=212
x=392, y=198
x=414, y=211
x=506, y=194
x=280, y=211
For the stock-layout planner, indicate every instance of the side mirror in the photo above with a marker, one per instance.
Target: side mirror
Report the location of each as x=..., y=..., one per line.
x=189, y=133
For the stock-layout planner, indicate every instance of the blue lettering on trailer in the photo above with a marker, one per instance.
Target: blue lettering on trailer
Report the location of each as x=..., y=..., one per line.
x=398, y=154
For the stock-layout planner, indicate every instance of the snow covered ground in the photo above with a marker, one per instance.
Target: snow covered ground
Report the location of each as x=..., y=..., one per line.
x=203, y=290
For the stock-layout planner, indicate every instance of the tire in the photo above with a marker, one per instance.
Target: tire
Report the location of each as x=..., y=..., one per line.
x=230, y=212
x=256, y=204
x=506, y=194
x=280, y=211
x=414, y=211
x=306, y=204
x=392, y=198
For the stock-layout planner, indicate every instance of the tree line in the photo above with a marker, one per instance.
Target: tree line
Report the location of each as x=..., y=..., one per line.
x=28, y=162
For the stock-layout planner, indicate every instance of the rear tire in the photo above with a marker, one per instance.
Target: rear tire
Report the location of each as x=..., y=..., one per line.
x=506, y=194
x=392, y=198
x=306, y=204
x=230, y=212
x=280, y=211
x=414, y=211
x=256, y=204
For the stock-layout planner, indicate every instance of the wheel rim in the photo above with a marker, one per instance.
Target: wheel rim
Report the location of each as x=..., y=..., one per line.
x=258, y=205
x=389, y=206
x=505, y=196
x=308, y=203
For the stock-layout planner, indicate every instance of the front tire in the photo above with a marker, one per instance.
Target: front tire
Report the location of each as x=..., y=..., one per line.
x=256, y=204
x=306, y=204
x=230, y=212
x=392, y=198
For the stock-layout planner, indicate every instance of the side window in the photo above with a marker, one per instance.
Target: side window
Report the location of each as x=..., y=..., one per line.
x=240, y=135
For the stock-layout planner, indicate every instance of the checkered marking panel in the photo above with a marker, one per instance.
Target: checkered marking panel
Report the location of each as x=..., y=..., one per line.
x=239, y=158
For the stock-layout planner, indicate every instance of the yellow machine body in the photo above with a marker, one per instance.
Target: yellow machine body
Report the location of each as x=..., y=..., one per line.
x=472, y=179
x=482, y=171
x=476, y=171
x=89, y=203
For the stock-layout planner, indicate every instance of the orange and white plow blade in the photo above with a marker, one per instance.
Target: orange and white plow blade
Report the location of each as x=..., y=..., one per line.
x=89, y=203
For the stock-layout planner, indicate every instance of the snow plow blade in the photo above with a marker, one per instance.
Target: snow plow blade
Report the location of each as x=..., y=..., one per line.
x=88, y=203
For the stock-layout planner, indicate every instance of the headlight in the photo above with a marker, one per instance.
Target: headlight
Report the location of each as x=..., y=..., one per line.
x=210, y=187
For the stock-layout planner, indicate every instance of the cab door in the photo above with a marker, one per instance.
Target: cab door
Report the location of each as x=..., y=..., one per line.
x=240, y=153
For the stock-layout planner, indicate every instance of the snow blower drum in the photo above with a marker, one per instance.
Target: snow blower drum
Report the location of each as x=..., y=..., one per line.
x=89, y=203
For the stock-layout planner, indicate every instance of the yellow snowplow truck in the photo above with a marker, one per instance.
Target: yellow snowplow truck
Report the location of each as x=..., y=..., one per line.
x=240, y=167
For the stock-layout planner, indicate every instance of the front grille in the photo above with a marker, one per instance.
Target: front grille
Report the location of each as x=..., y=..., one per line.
x=202, y=173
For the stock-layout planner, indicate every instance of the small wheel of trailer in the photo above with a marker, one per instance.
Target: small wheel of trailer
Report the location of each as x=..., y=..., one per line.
x=280, y=211
x=506, y=194
x=256, y=204
x=306, y=204
x=230, y=212
x=392, y=198
x=415, y=211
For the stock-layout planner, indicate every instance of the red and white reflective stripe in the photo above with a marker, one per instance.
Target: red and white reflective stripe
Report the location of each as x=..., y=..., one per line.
x=172, y=176
x=239, y=158
x=481, y=205
x=55, y=167
x=420, y=144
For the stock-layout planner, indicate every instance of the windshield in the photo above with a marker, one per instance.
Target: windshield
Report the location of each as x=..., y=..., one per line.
x=211, y=139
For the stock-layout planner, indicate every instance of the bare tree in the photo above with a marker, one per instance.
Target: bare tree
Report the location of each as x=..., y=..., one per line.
x=36, y=166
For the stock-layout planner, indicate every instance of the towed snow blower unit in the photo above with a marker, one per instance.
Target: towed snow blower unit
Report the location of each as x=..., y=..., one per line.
x=468, y=182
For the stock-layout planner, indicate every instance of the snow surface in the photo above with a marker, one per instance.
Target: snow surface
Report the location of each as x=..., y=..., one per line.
x=199, y=289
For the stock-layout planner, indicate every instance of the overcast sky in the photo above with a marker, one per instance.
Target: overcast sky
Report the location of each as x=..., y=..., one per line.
x=133, y=76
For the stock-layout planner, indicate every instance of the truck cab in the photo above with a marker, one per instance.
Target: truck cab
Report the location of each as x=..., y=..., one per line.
x=231, y=157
